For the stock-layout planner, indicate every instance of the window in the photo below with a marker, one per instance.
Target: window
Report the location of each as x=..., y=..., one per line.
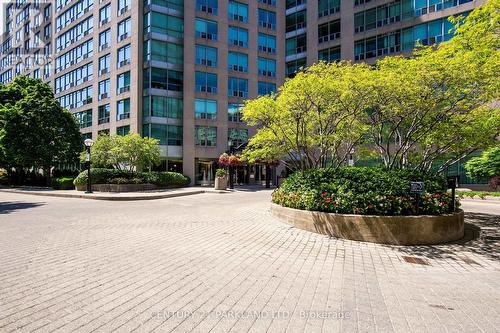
x=268, y=2
x=296, y=21
x=294, y=3
x=205, y=136
x=84, y=118
x=328, y=31
x=103, y=114
x=155, y=50
x=237, y=11
x=123, y=82
x=73, y=78
x=104, y=14
x=296, y=45
x=377, y=17
x=237, y=87
x=265, y=88
x=104, y=62
x=123, y=130
x=234, y=112
x=173, y=4
x=238, y=36
x=328, y=7
x=104, y=89
x=267, y=19
x=267, y=67
x=78, y=53
x=163, y=24
x=207, y=6
x=330, y=54
x=123, y=6
x=164, y=79
x=205, y=29
x=123, y=56
x=162, y=106
x=267, y=43
x=167, y=134
x=76, y=99
x=292, y=67
x=206, y=82
x=238, y=62
x=79, y=9
x=205, y=109
x=124, y=29
x=377, y=46
x=123, y=109
x=237, y=136
x=206, y=56
x=104, y=39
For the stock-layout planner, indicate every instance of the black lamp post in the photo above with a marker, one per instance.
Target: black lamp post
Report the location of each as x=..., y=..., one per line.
x=88, y=144
x=231, y=178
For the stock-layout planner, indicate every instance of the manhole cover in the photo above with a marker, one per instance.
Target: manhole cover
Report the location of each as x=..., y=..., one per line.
x=415, y=260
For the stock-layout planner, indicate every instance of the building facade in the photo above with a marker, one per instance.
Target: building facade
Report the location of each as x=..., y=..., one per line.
x=179, y=71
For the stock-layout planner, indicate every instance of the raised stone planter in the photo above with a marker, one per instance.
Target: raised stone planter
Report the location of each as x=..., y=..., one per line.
x=220, y=183
x=397, y=230
x=118, y=187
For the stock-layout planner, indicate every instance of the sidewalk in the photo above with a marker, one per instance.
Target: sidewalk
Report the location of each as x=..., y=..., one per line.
x=124, y=196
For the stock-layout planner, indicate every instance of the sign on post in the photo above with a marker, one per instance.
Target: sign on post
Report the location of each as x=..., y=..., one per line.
x=417, y=187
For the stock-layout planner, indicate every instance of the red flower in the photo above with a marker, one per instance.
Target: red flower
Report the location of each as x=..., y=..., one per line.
x=328, y=200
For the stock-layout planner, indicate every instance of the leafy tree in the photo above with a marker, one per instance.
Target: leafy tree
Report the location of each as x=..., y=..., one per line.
x=438, y=103
x=35, y=131
x=128, y=152
x=485, y=166
x=314, y=120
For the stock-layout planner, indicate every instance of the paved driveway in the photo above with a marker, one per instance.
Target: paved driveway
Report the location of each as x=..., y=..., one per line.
x=220, y=262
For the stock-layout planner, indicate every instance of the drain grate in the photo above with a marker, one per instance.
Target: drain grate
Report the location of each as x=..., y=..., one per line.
x=415, y=260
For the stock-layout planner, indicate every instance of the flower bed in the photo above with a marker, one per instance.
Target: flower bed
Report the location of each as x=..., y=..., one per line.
x=364, y=191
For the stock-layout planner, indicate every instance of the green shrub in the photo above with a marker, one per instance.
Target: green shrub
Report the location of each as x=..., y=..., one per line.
x=115, y=176
x=63, y=183
x=221, y=173
x=358, y=190
x=166, y=179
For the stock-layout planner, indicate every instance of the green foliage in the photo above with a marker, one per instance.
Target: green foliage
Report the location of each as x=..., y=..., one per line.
x=117, y=176
x=372, y=191
x=127, y=152
x=480, y=194
x=35, y=132
x=315, y=118
x=485, y=166
x=63, y=183
x=221, y=173
x=410, y=111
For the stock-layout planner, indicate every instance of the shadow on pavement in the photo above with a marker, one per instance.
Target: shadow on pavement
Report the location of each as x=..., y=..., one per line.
x=9, y=207
x=482, y=237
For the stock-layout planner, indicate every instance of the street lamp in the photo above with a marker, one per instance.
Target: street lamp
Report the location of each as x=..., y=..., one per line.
x=231, y=176
x=88, y=144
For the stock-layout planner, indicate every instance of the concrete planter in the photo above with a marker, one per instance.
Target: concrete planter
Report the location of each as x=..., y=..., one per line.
x=397, y=230
x=220, y=183
x=118, y=187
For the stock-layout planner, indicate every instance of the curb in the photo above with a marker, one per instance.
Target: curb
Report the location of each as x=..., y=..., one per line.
x=108, y=198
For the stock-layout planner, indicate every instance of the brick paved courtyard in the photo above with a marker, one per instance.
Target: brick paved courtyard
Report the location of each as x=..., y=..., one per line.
x=220, y=262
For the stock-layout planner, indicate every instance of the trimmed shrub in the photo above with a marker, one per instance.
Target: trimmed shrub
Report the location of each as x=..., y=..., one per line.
x=115, y=176
x=368, y=191
x=63, y=183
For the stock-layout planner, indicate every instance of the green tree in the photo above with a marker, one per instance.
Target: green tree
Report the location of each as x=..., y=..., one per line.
x=438, y=104
x=485, y=166
x=35, y=131
x=314, y=120
x=127, y=152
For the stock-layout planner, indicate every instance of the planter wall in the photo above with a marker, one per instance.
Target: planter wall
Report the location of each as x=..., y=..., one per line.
x=220, y=183
x=118, y=187
x=397, y=230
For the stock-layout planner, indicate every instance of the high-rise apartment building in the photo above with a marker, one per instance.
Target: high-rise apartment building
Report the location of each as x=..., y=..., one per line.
x=179, y=70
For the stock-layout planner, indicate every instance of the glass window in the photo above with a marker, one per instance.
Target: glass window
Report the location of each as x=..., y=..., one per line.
x=207, y=6
x=237, y=136
x=265, y=88
x=238, y=36
x=237, y=87
x=103, y=114
x=267, y=19
x=123, y=109
x=206, y=56
x=123, y=82
x=205, y=109
x=205, y=29
x=238, y=62
x=162, y=106
x=267, y=43
x=238, y=11
x=123, y=130
x=155, y=50
x=123, y=56
x=205, y=136
x=206, y=82
x=234, y=112
x=164, y=24
x=124, y=29
x=267, y=67
x=165, y=79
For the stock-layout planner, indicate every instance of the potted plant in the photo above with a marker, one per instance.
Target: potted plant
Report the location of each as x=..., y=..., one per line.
x=220, y=179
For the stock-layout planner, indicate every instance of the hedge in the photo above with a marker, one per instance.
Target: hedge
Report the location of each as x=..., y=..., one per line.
x=63, y=183
x=363, y=190
x=115, y=176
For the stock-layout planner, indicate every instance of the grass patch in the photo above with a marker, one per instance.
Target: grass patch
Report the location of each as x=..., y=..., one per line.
x=480, y=194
